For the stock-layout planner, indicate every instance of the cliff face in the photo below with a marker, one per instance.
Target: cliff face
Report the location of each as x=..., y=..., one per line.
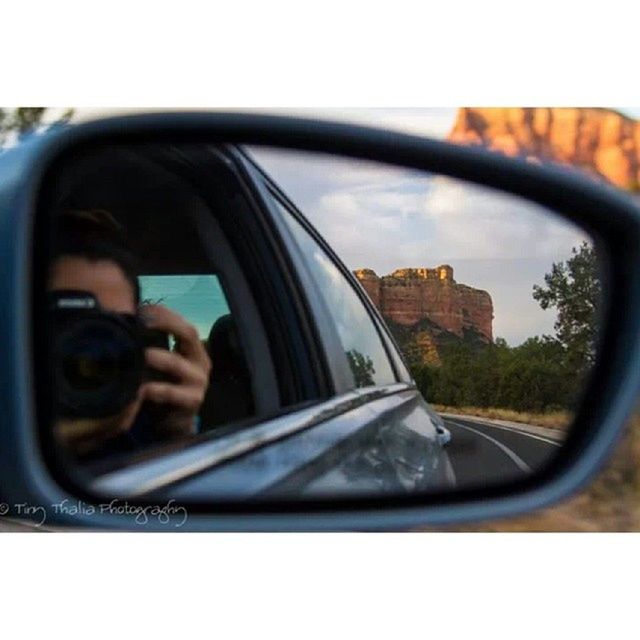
x=600, y=141
x=409, y=297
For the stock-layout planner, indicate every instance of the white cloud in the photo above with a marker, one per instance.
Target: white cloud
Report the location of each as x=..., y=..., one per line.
x=386, y=218
x=475, y=222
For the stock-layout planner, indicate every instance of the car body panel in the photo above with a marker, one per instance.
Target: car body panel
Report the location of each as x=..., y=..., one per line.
x=365, y=441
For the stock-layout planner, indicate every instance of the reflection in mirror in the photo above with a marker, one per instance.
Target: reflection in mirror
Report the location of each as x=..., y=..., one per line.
x=493, y=300
x=182, y=365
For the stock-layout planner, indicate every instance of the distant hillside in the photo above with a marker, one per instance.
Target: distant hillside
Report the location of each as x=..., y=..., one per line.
x=423, y=342
x=602, y=142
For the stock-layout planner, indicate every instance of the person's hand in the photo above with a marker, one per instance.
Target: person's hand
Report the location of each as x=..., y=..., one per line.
x=189, y=366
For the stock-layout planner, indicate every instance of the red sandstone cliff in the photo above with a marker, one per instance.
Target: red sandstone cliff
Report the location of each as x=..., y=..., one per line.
x=600, y=141
x=408, y=296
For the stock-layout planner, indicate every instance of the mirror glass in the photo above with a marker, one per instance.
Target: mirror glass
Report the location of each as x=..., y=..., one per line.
x=226, y=322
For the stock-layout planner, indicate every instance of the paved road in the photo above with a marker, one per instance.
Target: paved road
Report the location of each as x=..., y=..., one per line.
x=482, y=453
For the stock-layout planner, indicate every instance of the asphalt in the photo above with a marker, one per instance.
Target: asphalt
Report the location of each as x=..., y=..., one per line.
x=482, y=453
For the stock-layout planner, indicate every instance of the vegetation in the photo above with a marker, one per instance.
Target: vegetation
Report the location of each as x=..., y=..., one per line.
x=573, y=288
x=361, y=367
x=20, y=121
x=542, y=375
x=531, y=377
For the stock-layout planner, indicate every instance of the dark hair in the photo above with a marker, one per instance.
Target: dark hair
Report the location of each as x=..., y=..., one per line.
x=95, y=235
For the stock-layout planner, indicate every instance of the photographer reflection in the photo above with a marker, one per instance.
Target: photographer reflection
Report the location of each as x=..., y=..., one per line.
x=117, y=385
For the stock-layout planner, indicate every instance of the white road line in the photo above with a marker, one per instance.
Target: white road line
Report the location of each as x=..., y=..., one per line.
x=519, y=462
x=518, y=431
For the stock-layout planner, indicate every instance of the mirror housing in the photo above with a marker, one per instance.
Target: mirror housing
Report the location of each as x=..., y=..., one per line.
x=26, y=476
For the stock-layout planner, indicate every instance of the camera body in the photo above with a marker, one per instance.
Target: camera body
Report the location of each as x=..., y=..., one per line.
x=97, y=356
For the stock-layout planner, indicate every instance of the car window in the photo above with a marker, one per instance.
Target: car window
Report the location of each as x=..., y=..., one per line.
x=358, y=335
x=201, y=301
x=198, y=298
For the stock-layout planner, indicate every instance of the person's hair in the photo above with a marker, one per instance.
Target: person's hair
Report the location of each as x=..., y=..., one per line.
x=94, y=234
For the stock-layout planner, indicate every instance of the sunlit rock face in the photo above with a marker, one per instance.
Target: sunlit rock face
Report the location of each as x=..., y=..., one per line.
x=408, y=296
x=600, y=141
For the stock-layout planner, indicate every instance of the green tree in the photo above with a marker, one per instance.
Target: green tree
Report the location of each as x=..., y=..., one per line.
x=24, y=120
x=535, y=377
x=573, y=288
x=426, y=377
x=361, y=367
x=530, y=377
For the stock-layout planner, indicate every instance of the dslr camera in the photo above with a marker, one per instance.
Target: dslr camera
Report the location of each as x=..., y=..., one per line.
x=97, y=356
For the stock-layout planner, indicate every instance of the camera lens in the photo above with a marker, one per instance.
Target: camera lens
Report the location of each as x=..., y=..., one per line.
x=96, y=359
x=97, y=367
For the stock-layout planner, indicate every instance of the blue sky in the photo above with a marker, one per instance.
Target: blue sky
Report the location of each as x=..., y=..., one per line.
x=632, y=112
x=197, y=297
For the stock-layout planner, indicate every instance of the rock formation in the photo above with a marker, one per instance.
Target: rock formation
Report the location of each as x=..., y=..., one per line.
x=429, y=304
x=601, y=141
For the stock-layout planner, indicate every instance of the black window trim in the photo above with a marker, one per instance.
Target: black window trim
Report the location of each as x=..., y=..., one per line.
x=337, y=364
x=310, y=359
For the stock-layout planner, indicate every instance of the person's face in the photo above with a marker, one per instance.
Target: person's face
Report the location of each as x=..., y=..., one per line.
x=107, y=282
x=104, y=279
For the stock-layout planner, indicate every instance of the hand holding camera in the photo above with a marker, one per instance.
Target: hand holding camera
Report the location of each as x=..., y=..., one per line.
x=187, y=369
x=107, y=366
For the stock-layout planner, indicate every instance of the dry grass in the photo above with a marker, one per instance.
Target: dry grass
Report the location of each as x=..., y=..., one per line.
x=552, y=420
x=610, y=503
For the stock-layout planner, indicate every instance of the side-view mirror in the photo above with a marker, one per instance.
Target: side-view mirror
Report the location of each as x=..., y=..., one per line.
x=243, y=322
